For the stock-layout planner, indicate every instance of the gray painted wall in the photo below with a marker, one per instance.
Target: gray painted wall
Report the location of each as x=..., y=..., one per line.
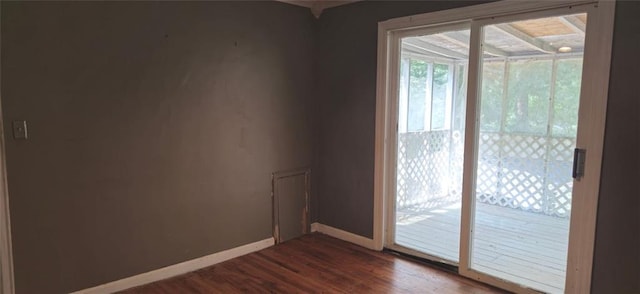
x=154, y=130
x=344, y=158
x=617, y=253
x=155, y=127
x=346, y=87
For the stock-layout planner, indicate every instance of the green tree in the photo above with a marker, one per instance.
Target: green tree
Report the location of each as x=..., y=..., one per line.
x=567, y=97
x=529, y=90
x=418, y=73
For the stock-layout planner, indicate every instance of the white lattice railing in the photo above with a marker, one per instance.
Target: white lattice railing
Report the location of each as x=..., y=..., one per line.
x=429, y=168
x=525, y=172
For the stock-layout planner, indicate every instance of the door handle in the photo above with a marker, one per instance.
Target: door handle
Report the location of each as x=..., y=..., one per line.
x=579, y=157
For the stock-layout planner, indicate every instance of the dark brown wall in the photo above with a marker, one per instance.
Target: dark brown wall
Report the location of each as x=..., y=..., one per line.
x=154, y=129
x=617, y=253
x=344, y=159
x=346, y=85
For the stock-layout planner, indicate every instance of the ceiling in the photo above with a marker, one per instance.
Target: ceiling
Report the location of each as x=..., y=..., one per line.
x=543, y=36
x=529, y=37
x=317, y=6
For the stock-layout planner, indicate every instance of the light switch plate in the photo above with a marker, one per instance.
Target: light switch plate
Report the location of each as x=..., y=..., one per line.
x=20, y=129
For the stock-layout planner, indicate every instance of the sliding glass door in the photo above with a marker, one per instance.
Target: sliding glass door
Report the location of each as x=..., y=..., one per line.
x=485, y=121
x=528, y=119
x=430, y=142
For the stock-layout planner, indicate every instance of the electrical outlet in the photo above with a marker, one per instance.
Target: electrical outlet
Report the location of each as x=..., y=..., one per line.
x=20, y=129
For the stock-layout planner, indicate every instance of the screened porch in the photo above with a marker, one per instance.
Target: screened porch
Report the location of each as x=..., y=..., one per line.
x=527, y=124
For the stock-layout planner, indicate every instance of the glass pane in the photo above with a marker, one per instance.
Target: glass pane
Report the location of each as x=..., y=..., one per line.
x=528, y=96
x=567, y=97
x=460, y=94
x=430, y=151
x=417, y=94
x=492, y=95
x=529, y=103
x=403, y=95
x=440, y=96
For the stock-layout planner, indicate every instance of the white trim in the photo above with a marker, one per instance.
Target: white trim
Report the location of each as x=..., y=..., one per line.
x=178, y=269
x=473, y=12
x=593, y=105
x=467, y=218
x=6, y=256
x=343, y=235
x=394, y=50
x=380, y=143
x=315, y=227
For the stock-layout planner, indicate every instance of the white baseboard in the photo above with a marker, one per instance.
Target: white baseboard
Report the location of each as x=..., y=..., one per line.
x=177, y=269
x=343, y=235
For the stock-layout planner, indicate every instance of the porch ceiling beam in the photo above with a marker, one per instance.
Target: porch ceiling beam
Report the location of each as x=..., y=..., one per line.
x=462, y=40
x=434, y=49
x=574, y=24
x=525, y=39
x=415, y=51
x=411, y=48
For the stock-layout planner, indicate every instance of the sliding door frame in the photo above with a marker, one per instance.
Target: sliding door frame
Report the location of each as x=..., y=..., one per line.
x=594, y=89
x=6, y=252
x=472, y=130
x=394, y=58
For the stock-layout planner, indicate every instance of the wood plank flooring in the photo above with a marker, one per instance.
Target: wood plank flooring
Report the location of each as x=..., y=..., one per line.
x=317, y=263
x=523, y=247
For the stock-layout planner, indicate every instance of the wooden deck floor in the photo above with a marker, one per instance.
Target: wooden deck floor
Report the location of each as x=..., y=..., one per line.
x=317, y=263
x=523, y=247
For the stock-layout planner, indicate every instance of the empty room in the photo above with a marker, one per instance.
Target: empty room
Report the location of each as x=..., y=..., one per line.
x=436, y=146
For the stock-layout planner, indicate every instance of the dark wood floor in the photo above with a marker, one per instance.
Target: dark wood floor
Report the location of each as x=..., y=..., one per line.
x=317, y=263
